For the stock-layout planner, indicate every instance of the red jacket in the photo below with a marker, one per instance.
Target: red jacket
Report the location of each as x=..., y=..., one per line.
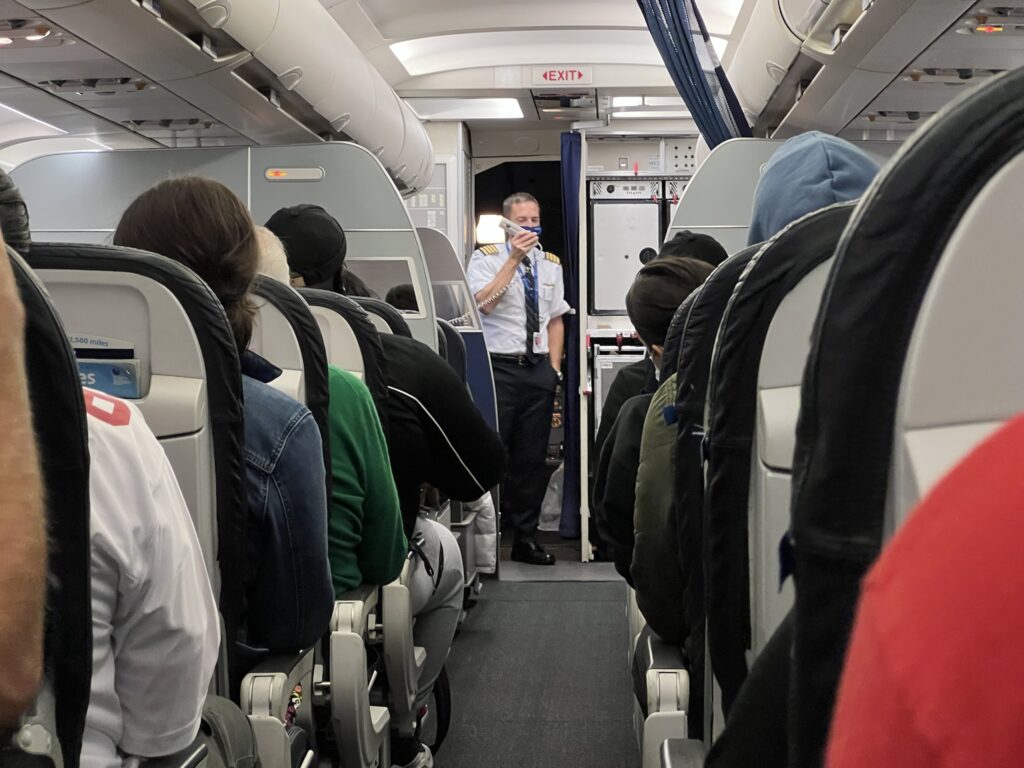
x=935, y=671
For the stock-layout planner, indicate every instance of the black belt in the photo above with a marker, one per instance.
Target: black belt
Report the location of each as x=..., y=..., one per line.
x=520, y=360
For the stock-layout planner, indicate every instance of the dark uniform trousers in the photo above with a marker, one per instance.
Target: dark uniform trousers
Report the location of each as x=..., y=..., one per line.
x=526, y=395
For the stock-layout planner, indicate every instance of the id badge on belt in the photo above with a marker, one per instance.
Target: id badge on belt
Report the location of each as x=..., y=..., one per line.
x=538, y=343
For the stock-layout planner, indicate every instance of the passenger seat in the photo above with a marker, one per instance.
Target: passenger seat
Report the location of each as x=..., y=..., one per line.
x=51, y=732
x=921, y=251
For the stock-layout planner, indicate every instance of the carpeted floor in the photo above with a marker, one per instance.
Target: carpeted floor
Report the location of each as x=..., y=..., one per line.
x=539, y=679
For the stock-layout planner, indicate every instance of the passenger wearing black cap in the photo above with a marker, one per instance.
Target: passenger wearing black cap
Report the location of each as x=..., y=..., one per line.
x=695, y=246
x=657, y=291
x=315, y=243
x=435, y=435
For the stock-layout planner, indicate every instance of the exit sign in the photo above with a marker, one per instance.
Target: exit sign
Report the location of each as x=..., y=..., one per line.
x=563, y=74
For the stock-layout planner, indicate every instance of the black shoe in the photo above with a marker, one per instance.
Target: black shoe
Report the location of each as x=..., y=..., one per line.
x=532, y=553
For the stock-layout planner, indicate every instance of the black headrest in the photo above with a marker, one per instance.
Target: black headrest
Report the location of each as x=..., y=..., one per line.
x=14, y=216
x=851, y=384
x=732, y=394
x=62, y=437
x=368, y=338
x=454, y=348
x=223, y=391
x=391, y=316
x=314, y=355
x=695, y=347
x=442, y=343
x=674, y=336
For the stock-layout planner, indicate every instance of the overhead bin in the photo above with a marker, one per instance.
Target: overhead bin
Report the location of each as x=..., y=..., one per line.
x=297, y=41
x=310, y=54
x=764, y=53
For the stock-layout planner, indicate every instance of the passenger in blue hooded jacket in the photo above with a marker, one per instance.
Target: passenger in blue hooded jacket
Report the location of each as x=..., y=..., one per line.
x=807, y=173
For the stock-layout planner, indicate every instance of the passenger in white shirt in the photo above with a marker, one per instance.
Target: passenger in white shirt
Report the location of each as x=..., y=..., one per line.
x=155, y=625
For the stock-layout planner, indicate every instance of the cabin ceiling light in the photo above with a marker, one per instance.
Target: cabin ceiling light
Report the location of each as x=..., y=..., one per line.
x=40, y=33
x=465, y=109
x=21, y=114
x=627, y=101
x=5, y=41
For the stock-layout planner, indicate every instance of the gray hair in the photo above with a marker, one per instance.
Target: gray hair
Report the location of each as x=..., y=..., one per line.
x=517, y=197
x=273, y=258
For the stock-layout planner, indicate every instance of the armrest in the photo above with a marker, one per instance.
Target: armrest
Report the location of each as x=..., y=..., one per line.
x=35, y=741
x=360, y=730
x=402, y=659
x=682, y=753
x=267, y=690
x=193, y=756
x=352, y=610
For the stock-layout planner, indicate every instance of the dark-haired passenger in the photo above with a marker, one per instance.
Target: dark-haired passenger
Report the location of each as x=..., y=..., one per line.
x=402, y=297
x=202, y=224
x=656, y=293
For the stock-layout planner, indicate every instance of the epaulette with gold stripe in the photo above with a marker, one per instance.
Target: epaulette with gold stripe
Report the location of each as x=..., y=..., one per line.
x=551, y=257
x=490, y=250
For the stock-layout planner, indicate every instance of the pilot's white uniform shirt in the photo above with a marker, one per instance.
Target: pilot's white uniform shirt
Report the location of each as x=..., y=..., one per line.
x=155, y=625
x=505, y=327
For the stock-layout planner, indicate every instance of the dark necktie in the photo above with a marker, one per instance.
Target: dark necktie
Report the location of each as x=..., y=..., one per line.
x=532, y=315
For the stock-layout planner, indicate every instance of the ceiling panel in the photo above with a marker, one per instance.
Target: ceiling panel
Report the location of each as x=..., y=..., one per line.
x=401, y=19
x=447, y=52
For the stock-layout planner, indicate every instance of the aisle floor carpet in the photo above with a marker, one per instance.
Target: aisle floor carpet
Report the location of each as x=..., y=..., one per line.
x=540, y=679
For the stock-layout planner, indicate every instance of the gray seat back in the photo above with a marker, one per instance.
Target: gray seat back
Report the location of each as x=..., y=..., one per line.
x=127, y=302
x=778, y=405
x=962, y=374
x=59, y=421
x=274, y=338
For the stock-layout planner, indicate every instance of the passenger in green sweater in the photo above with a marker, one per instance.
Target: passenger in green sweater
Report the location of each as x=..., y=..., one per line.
x=365, y=541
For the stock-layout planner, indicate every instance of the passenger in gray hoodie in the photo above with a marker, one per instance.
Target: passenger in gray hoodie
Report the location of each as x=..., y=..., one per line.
x=807, y=173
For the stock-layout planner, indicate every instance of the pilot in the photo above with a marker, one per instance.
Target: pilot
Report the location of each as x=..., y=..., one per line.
x=519, y=289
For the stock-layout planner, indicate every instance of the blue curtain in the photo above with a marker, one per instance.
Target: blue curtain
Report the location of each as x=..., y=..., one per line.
x=685, y=46
x=569, y=527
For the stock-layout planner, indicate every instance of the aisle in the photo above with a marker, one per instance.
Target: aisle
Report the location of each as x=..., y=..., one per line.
x=539, y=679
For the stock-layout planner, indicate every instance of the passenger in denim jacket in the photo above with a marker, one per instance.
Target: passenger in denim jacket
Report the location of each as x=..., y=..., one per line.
x=203, y=225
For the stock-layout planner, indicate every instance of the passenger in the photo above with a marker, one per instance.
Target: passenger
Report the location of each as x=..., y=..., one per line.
x=932, y=669
x=656, y=293
x=637, y=378
x=22, y=519
x=807, y=173
x=657, y=568
x=365, y=541
x=402, y=297
x=350, y=284
x=203, y=225
x=155, y=626
x=273, y=262
x=436, y=436
x=694, y=245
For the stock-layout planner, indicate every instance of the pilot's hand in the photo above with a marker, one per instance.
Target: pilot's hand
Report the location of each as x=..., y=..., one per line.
x=522, y=244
